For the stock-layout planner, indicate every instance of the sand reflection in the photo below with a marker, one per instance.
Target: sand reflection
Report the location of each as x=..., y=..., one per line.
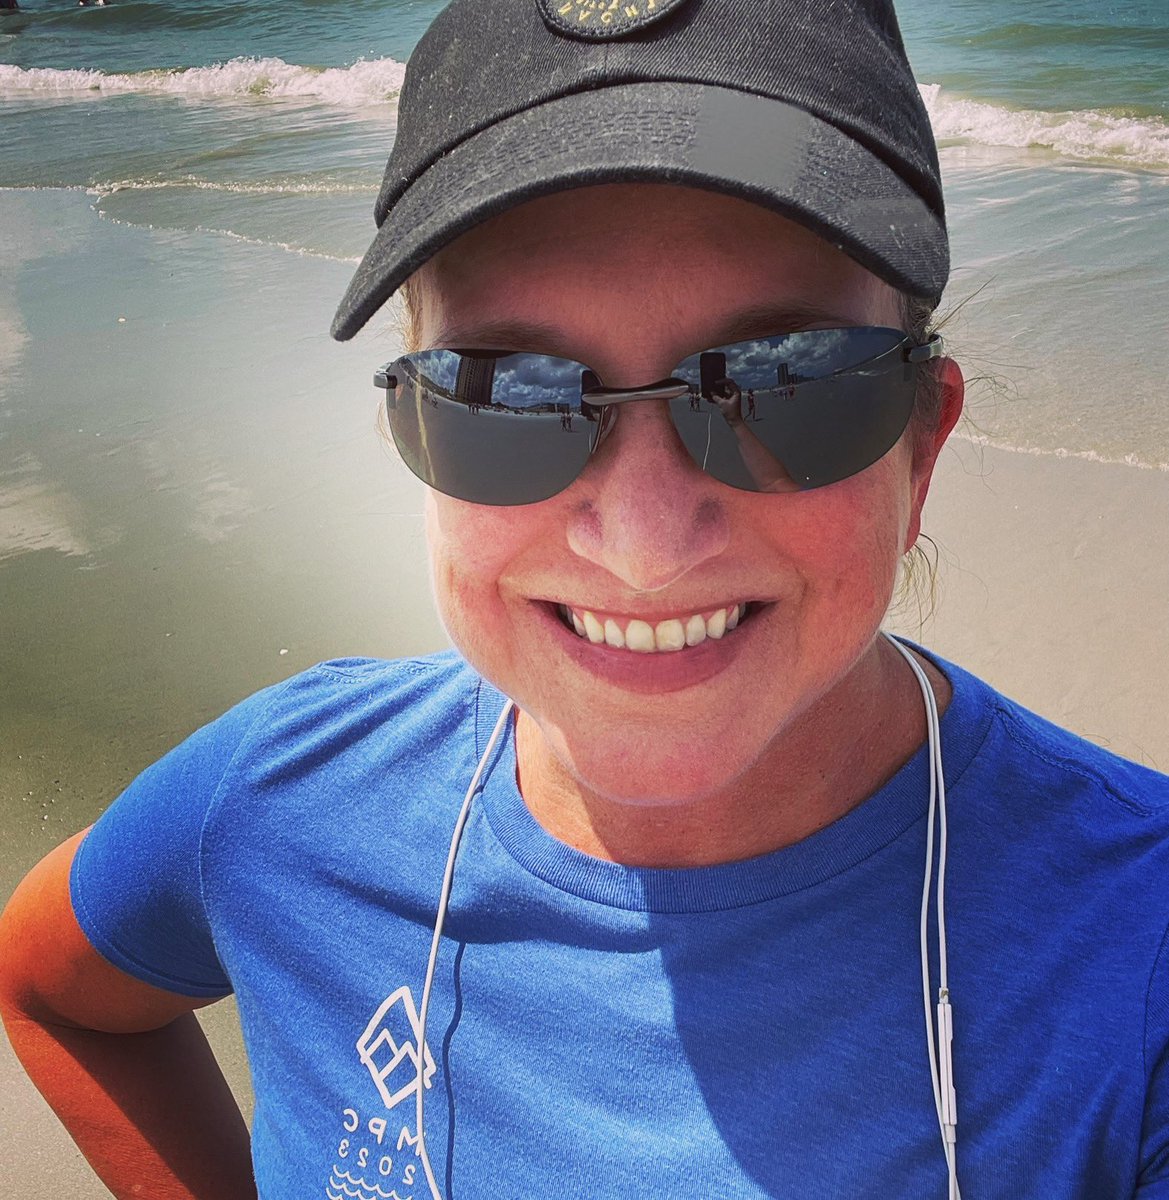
x=36, y=513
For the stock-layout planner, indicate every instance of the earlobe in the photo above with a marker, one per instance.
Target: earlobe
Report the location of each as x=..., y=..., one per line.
x=928, y=443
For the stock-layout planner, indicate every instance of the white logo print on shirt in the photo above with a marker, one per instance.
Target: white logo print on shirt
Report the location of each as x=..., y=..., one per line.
x=389, y=1049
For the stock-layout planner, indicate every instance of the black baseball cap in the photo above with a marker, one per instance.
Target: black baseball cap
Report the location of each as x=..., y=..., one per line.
x=804, y=106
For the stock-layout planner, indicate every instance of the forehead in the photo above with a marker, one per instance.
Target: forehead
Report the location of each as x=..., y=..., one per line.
x=639, y=258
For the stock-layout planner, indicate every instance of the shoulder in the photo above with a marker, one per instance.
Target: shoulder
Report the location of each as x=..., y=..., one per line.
x=1052, y=749
x=300, y=771
x=411, y=686
x=344, y=718
x=338, y=724
x=345, y=703
x=369, y=738
x=1020, y=750
x=1050, y=818
x=406, y=678
x=1057, y=830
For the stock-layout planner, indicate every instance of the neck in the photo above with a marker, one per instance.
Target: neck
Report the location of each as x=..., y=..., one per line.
x=812, y=773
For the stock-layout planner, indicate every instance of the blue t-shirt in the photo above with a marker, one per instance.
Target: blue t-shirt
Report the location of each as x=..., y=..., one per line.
x=746, y=1030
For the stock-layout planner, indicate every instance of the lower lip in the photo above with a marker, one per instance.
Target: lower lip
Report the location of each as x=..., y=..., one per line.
x=657, y=673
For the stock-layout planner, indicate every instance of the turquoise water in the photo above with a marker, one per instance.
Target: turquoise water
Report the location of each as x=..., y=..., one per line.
x=1052, y=55
x=137, y=35
x=270, y=122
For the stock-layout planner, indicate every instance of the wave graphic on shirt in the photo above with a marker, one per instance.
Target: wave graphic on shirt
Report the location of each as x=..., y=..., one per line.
x=343, y=1184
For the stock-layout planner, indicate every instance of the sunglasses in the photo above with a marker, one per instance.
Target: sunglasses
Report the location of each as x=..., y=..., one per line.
x=785, y=413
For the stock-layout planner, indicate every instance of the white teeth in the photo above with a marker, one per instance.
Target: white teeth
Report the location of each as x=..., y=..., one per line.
x=674, y=633
x=670, y=635
x=593, y=629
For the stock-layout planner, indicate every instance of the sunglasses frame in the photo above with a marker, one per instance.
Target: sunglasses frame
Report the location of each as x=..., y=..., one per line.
x=597, y=399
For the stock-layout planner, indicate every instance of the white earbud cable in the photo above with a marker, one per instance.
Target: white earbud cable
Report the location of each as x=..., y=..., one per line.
x=443, y=899
x=941, y=1052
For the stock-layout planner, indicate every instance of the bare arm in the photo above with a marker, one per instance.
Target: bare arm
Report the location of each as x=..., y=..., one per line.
x=124, y=1065
x=766, y=471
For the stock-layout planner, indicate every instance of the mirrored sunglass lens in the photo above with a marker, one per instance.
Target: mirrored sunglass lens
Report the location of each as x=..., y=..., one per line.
x=798, y=411
x=488, y=428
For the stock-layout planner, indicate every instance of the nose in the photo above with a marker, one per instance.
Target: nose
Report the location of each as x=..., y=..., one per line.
x=644, y=511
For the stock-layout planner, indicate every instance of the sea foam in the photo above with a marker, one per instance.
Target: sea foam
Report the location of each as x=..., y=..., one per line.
x=1093, y=456
x=373, y=81
x=1087, y=134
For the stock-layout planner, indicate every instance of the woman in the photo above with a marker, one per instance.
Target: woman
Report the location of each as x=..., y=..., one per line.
x=677, y=940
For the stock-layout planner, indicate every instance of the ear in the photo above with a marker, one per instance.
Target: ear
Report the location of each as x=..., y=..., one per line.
x=927, y=445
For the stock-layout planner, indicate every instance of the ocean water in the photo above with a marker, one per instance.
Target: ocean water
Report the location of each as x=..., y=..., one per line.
x=270, y=122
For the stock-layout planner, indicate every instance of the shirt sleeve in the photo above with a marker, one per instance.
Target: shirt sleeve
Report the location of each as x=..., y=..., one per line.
x=1153, y=1183
x=136, y=881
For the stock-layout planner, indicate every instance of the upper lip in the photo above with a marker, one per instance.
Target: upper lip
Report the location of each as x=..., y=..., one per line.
x=657, y=613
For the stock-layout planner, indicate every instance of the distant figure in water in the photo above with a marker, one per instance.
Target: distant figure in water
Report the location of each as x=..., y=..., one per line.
x=9, y=6
x=92, y=3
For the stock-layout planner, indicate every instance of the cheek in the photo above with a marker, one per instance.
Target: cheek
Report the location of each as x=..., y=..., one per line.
x=471, y=548
x=882, y=533
x=469, y=537
x=461, y=550
x=849, y=538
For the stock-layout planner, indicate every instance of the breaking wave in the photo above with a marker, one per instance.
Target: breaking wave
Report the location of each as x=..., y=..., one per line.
x=1088, y=134
x=373, y=81
x=1124, y=140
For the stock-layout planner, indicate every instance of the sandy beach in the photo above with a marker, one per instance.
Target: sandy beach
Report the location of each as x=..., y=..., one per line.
x=1053, y=581
x=241, y=520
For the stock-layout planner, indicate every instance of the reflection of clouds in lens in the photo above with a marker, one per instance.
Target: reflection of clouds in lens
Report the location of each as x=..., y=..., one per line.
x=538, y=381
x=807, y=354
x=521, y=381
x=752, y=364
x=440, y=368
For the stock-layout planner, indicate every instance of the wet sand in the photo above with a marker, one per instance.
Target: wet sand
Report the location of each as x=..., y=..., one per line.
x=194, y=502
x=189, y=492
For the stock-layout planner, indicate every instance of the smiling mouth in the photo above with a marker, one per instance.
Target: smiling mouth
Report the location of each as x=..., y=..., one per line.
x=645, y=637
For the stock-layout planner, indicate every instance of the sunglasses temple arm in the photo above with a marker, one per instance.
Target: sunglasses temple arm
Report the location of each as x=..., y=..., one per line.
x=934, y=348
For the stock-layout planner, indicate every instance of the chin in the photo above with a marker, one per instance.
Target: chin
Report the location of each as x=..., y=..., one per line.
x=644, y=769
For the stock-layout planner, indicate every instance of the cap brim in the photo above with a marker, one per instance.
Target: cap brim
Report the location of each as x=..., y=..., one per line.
x=750, y=146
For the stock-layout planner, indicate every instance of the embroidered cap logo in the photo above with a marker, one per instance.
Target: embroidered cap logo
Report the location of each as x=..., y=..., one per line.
x=600, y=20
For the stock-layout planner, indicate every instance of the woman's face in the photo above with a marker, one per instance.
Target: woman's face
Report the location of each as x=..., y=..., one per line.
x=630, y=280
